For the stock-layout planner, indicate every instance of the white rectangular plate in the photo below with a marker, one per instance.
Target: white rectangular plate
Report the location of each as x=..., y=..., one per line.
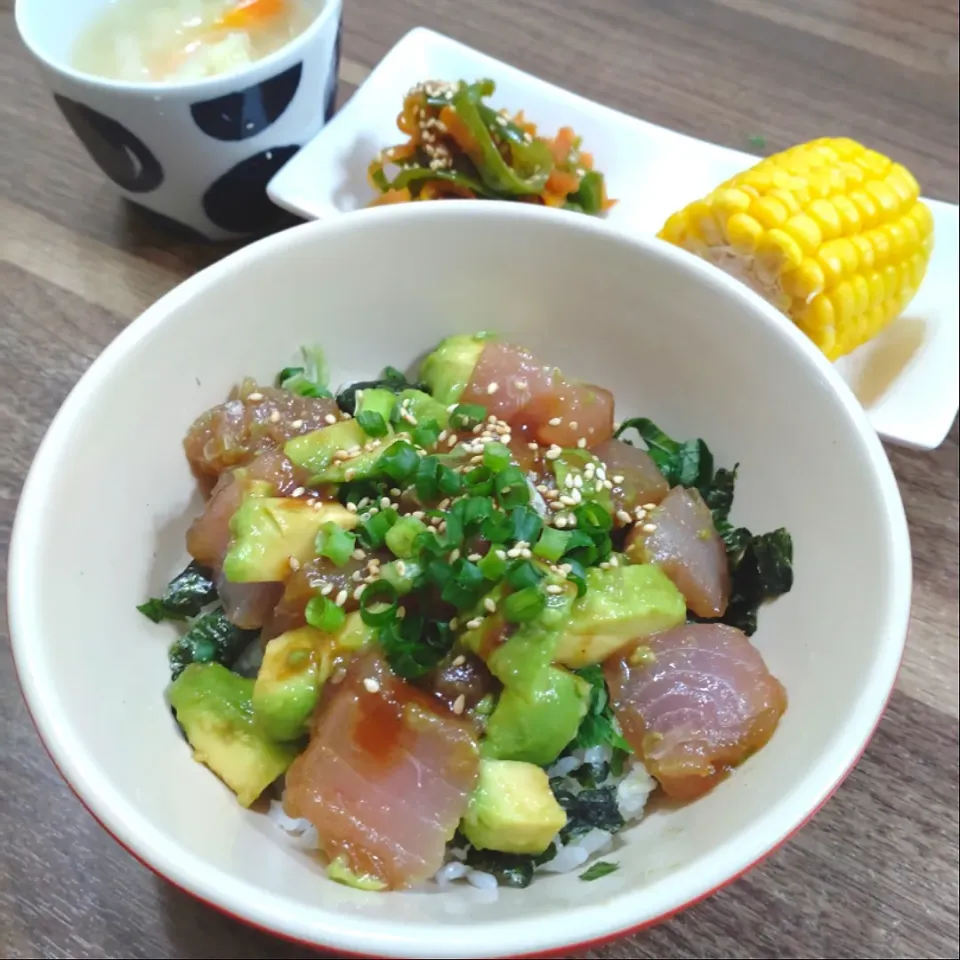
x=907, y=378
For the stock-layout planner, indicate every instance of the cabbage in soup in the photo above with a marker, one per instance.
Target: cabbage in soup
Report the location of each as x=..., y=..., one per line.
x=157, y=41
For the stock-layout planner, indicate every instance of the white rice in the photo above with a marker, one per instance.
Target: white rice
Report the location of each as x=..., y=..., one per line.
x=633, y=791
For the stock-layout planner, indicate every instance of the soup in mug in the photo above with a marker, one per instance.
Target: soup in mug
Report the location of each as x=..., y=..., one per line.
x=157, y=41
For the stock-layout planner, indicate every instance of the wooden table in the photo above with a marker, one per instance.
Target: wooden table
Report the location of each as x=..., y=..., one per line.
x=876, y=873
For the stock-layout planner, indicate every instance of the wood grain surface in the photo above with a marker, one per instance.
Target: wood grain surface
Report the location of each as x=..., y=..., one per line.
x=876, y=873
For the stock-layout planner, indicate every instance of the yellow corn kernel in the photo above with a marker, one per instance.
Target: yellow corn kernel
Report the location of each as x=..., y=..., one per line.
x=806, y=281
x=832, y=233
x=743, y=233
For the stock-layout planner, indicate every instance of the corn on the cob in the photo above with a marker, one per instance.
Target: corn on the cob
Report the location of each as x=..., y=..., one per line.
x=830, y=232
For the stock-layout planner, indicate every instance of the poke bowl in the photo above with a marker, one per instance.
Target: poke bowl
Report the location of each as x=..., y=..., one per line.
x=565, y=584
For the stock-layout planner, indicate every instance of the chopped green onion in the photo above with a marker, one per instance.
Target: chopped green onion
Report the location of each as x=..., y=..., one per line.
x=473, y=510
x=523, y=606
x=493, y=566
x=288, y=373
x=402, y=536
x=526, y=524
x=428, y=488
x=373, y=532
x=592, y=516
x=522, y=573
x=405, y=575
x=496, y=457
x=335, y=543
x=465, y=584
x=426, y=434
x=449, y=481
x=511, y=488
x=378, y=603
x=467, y=415
x=577, y=575
x=453, y=532
x=553, y=544
x=400, y=461
x=372, y=423
x=497, y=528
x=414, y=646
x=479, y=481
x=323, y=614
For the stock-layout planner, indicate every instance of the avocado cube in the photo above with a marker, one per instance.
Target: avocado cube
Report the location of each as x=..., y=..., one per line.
x=424, y=407
x=377, y=400
x=512, y=809
x=448, y=370
x=215, y=709
x=288, y=684
x=622, y=604
x=339, y=872
x=534, y=722
x=269, y=532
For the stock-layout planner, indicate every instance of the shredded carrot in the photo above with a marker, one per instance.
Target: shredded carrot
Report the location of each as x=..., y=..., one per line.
x=458, y=130
x=586, y=161
x=393, y=196
x=563, y=143
x=560, y=181
x=250, y=13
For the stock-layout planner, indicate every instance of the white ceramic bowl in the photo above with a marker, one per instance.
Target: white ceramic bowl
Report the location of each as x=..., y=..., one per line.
x=104, y=511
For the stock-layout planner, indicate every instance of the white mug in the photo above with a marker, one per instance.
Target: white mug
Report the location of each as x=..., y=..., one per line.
x=200, y=152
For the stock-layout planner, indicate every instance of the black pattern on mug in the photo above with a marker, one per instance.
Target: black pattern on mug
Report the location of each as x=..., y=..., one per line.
x=244, y=114
x=237, y=201
x=330, y=97
x=120, y=154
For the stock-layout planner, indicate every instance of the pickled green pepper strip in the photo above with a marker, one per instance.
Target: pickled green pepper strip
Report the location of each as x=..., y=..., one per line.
x=532, y=162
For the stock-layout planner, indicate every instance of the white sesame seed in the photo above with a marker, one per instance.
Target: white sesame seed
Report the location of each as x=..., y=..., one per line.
x=459, y=661
x=341, y=455
x=578, y=481
x=341, y=598
x=618, y=478
x=560, y=522
x=607, y=484
x=356, y=576
x=275, y=417
x=552, y=453
x=351, y=506
x=396, y=492
x=358, y=593
x=614, y=561
x=418, y=514
x=371, y=685
x=452, y=407
x=568, y=501
x=454, y=554
x=649, y=527
x=255, y=396
x=454, y=623
x=571, y=521
x=475, y=623
x=350, y=475
x=493, y=388
x=294, y=564
x=526, y=553
x=582, y=443
x=554, y=588
x=474, y=557
x=649, y=506
x=452, y=440
x=555, y=421
x=330, y=418
x=551, y=494
x=605, y=565
x=490, y=604
x=459, y=705
x=326, y=590
x=384, y=503
x=624, y=517
x=513, y=553
x=501, y=554
x=359, y=554
x=296, y=424
x=577, y=495
x=568, y=481
x=401, y=613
